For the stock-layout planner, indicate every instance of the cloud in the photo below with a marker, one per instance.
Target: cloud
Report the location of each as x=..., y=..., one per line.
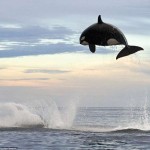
x=76, y=15
x=47, y=71
x=142, y=68
x=1, y=68
x=34, y=33
x=25, y=79
x=136, y=26
x=52, y=27
x=31, y=11
x=39, y=50
x=36, y=40
x=9, y=26
x=50, y=49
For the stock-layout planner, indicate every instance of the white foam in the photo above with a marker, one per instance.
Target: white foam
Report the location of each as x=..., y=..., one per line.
x=17, y=115
x=44, y=113
x=54, y=117
x=138, y=119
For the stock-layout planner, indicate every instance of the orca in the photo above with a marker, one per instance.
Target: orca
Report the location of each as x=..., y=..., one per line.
x=104, y=34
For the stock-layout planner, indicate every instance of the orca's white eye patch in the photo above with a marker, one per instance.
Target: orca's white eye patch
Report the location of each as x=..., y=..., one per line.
x=83, y=38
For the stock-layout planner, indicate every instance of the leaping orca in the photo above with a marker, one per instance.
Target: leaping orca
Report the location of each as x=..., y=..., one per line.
x=104, y=34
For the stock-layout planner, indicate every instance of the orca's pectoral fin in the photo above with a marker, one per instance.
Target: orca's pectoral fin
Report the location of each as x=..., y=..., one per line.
x=92, y=48
x=127, y=50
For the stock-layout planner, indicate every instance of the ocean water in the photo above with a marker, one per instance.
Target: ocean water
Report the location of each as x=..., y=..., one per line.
x=73, y=128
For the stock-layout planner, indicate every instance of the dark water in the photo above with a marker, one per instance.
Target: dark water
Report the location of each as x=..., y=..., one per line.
x=92, y=128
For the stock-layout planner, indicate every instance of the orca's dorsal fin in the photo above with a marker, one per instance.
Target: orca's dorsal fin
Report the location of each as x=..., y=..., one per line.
x=99, y=19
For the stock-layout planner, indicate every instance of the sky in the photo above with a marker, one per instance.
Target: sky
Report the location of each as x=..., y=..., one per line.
x=41, y=58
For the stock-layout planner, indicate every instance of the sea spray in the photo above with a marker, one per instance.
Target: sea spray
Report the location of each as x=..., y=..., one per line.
x=48, y=112
x=137, y=118
x=145, y=123
x=37, y=114
x=54, y=116
x=17, y=115
x=69, y=112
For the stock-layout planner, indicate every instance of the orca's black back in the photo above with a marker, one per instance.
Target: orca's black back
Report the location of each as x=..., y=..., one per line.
x=99, y=34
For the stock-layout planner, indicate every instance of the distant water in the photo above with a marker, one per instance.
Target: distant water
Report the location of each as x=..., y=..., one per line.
x=49, y=127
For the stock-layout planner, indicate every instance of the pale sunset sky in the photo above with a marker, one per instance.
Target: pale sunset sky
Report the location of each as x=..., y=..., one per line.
x=41, y=58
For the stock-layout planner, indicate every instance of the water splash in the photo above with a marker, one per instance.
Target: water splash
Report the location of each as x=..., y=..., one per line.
x=144, y=120
x=48, y=112
x=53, y=116
x=17, y=115
x=138, y=118
x=69, y=113
x=43, y=113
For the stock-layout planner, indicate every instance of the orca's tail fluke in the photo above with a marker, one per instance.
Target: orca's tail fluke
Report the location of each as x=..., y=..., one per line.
x=127, y=50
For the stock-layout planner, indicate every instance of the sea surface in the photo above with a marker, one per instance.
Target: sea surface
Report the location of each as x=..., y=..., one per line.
x=99, y=128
